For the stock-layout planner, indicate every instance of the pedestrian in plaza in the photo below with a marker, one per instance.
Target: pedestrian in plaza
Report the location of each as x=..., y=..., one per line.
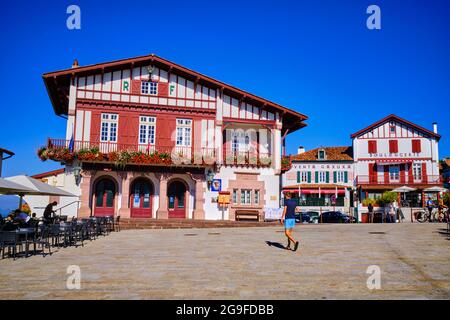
x=430, y=206
x=391, y=213
x=288, y=219
x=370, y=208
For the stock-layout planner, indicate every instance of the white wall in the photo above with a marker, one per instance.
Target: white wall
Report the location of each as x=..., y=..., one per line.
x=65, y=181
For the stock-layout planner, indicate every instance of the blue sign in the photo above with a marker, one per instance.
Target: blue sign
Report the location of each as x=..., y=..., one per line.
x=216, y=185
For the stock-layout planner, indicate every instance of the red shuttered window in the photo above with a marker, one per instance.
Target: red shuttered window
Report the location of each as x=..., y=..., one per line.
x=372, y=146
x=163, y=89
x=135, y=86
x=416, y=146
x=393, y=146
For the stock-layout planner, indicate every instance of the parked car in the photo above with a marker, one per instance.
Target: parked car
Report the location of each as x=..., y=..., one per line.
x=314, y=216
x=336, y=217
x=305, y=218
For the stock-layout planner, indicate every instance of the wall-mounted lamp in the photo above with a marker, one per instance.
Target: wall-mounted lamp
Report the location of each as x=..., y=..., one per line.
x=77, y=174
x=150, y=70
x=209, y=178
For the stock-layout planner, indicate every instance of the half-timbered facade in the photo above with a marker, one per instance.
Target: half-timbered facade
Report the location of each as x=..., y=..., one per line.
x=146, y=138
x=394, y=152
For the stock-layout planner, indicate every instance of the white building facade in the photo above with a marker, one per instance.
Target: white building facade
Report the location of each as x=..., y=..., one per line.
x=321, y=179
x=394, y=152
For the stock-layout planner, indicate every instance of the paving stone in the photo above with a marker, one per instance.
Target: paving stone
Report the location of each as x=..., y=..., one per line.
x=238, y=264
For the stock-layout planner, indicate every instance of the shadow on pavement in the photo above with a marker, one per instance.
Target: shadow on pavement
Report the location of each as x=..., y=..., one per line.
x=276, y=245
x=444, y=232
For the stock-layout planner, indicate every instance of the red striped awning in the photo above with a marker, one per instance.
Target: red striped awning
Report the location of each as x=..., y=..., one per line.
x=392, y=161
x=316, y=191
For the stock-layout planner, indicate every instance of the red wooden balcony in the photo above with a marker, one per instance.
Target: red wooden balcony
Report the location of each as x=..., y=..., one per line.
x=400, y=180
x=65, y=151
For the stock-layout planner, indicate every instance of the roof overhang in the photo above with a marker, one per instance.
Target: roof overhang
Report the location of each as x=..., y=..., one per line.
x=58, y=83
x=398, y=119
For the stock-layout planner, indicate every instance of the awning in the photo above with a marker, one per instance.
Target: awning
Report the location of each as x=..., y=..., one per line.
x=316, y=191
x=392, y=161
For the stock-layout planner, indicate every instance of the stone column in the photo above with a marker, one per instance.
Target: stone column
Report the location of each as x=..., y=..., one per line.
x=85, y=210
x=199, y=201
x=162, y=212
x=124, y=210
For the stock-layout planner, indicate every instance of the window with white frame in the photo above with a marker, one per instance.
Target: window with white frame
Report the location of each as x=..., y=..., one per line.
x=321, y=154
x=108, y=127
x=184, y=131
x=394, y=172
x=235, y=196
x=417, y=171
x=149, y=88
x=256, y=196
x=147, y=126
x=340, y=176
x=246, y=196
x=234, y=142
x=322, y=176
x=240, y=141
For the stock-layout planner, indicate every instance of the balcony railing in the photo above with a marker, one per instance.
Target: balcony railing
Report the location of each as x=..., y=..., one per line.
x=247, y=158
x=64, y=150
x=391, y=180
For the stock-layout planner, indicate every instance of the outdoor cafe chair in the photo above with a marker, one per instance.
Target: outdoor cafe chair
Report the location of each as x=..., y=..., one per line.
x=109, y=221
x=9, y=239
x=78, y=233
x=89, y=231
x=55, y=234
x=43, y=239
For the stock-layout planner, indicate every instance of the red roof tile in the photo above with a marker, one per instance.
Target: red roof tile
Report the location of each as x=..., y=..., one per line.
x=331, y=154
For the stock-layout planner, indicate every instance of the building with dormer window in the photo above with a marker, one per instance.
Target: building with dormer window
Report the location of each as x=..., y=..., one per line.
x=321, y=179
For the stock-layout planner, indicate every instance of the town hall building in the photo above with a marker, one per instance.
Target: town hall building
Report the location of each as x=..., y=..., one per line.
x=148, y=138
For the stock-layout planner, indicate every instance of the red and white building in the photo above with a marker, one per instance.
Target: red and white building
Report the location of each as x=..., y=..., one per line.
x=145, y=136
x=394, y=152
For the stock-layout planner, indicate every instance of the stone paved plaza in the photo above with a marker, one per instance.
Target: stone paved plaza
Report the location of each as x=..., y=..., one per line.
x=237, y=263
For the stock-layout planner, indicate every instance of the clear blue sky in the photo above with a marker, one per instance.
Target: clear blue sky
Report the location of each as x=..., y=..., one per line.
x=316, y=57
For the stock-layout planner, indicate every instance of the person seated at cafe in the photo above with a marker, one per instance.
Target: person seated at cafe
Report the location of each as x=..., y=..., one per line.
x=10, y=224
x=21, y=218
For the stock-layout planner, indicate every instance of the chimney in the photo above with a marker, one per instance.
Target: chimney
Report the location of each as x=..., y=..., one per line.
x=300, y=150
x=435, y=127
x=75, y=63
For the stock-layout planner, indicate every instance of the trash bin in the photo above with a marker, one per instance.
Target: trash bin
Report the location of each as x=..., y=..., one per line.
x=364, y=217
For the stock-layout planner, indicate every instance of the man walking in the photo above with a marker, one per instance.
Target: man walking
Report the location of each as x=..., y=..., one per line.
x=288, y=219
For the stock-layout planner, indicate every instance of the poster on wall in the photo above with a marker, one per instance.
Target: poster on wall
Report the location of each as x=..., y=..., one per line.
x=216, y=185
